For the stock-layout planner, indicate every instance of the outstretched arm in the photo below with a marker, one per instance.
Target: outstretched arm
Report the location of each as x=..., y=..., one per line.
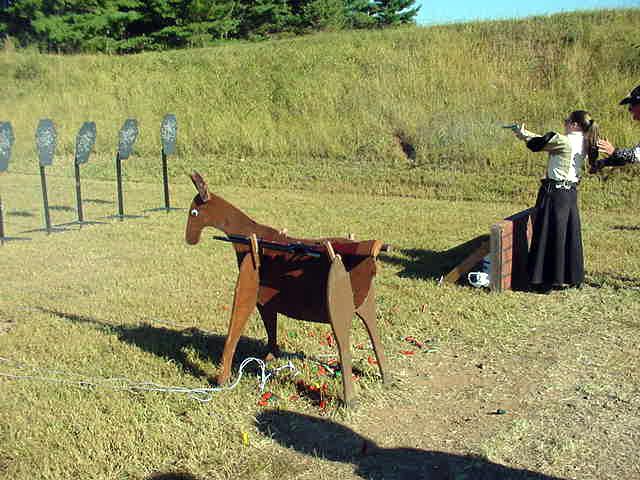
x=617, y=156
x=549, y=142
x=522, y=133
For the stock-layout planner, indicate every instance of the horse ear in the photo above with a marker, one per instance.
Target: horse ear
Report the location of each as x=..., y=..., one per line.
x=200, y=185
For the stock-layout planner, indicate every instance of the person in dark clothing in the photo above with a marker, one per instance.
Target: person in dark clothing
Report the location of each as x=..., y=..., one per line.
x=617, y=157
x=556, y=257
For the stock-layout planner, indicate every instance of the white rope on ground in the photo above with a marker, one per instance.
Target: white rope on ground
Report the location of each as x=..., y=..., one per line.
x=203, y=395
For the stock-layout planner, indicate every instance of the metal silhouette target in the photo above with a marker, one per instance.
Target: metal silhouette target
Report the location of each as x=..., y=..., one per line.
x=168, y=136
x=6, y=144
x=85, y=140
x=169, y=133
x=46, y=145
x=128, y=135
x=46, y=138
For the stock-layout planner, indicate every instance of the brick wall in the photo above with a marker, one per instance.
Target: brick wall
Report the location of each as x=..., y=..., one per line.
x=510, y=239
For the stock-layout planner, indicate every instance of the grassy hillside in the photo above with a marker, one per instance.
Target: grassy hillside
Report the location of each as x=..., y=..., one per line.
x=333, y=111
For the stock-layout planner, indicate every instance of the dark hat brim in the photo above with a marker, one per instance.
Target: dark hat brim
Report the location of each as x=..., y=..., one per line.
x=632, y=98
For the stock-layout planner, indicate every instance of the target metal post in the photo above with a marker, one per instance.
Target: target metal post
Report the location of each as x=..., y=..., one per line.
x=1, y=223
x=46, y=145
x=85, y=140
x=119, y=186
x=168, y=136
x=6, y=145
x=78, y=193
x=45, y=199
x=165, y=180
x=128, y=135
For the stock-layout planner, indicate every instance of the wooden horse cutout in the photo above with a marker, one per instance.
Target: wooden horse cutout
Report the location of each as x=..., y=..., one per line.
x=326, y=288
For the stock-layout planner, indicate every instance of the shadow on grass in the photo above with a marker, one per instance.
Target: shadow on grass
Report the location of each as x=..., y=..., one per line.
x=617, y=282
x=53, y=229
x=430, y=264
x=21, y=213
x=172, y=476
x=632, y=228
x=99, y=201
x=321, y=437
x=61, y=208
x=170, y=343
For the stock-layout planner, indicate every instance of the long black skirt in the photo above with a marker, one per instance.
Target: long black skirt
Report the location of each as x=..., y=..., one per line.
x=556, y=257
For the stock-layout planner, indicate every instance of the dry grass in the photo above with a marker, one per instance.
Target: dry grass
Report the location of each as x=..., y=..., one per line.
x=130, y=299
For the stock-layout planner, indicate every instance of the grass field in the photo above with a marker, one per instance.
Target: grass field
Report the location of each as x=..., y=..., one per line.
x=131, y=300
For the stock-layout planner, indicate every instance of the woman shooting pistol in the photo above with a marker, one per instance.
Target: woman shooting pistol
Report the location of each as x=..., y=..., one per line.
x=556, y=258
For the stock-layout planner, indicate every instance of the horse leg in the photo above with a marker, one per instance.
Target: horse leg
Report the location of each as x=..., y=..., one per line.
x=270, y=319
x=340, y=308
x=367, y=312
x=244, y=301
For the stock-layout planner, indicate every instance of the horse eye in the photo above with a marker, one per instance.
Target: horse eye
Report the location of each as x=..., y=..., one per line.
x=194, y=213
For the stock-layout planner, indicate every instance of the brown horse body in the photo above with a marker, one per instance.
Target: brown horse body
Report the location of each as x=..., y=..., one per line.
x=327, y=289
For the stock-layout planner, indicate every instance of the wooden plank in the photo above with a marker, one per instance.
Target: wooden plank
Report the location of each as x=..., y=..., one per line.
x=496, y=278
x=468, y=263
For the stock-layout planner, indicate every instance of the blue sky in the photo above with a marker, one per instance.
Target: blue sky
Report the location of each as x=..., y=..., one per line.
x=445, y=11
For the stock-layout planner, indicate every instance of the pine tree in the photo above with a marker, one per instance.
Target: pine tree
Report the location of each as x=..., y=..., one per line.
x=325, y=15
x=122, y=26
x=394, y=12
x=360, y=14
x=262, y=17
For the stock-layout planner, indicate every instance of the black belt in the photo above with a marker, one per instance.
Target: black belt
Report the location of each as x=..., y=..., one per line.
x=564, y=184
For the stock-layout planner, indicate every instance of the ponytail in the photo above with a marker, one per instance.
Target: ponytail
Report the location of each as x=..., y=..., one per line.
x=591, y=136
x=591, y=132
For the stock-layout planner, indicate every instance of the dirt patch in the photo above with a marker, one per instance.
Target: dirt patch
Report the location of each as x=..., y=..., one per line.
x=466, y=397
x=565, y=386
